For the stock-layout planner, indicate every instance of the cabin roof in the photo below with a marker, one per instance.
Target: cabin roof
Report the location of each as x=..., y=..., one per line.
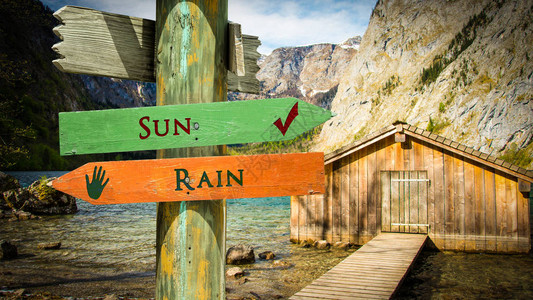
x=434, y=139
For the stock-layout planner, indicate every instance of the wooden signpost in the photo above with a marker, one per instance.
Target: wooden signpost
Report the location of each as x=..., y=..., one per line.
x=192, y=125
x=107, y=44
x=201, y=178
x=194, y=55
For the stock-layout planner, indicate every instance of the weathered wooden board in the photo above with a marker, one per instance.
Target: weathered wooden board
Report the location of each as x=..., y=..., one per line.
x=199, y=178
x=236, y=50
x=372, y=272
x=112, y=45
x=191, y=41
x=192, y=125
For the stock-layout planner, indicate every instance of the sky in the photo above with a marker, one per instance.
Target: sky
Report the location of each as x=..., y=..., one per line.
x=276, y=23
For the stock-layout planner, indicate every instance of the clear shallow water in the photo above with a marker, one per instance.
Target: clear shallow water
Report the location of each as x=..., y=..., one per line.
x=115, y=239
x=121, y=239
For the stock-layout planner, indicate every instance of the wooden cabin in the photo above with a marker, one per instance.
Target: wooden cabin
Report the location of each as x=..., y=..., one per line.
x=406, y=179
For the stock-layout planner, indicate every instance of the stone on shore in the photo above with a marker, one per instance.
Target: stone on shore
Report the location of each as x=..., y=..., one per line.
x=341, y=245
x=38, y=199
x=49, y=246
x=240, y=255
x=234, y=273
x=322, y=245
x=7, y=250
x=281, y=264
x=306, y=244
x=267, y=255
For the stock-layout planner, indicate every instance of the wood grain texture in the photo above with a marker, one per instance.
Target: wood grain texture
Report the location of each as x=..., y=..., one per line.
x=428, y=165
x=459, y=203
x=439, y=230
x=236, y=50
x=191, y=125
x=190, y=49
x=464, y=209
x=104, y=44
x=249, y=82
x=372, y=272
x=449, y=207
x=336, y=203
x=386, y=201
x=372, y=189
x=354, y=197
x=511, y=187
x=487, y=225
x=524, y=237
x=345, y=199
x=328, y=204
x=112, y=45
x=501, y=213
x=209, y=178
x=294, y=226
x=363, y=197
x=470, y=207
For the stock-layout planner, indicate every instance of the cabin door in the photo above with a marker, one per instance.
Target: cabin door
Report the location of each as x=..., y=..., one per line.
x=404, y=200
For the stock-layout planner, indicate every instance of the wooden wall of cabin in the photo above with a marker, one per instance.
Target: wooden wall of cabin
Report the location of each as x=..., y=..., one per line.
x=471, y=207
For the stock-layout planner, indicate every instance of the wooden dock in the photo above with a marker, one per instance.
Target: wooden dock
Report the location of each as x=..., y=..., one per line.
x=372, y=272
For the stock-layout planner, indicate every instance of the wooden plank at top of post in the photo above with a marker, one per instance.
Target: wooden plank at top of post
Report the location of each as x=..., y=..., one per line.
x=119, y=46
x=191, y=47
x=236, y=50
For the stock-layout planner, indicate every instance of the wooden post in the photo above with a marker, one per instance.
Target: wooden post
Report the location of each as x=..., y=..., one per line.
x=190, y=68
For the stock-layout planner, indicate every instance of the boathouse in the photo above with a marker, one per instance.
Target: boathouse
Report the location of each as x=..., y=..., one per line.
x=406, y=179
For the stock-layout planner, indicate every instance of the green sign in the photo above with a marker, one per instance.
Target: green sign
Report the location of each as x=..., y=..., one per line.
x=191, y=125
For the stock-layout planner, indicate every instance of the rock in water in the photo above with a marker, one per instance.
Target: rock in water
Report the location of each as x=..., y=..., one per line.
x=341, y=245
x=45, y=200
x=49, y=246
x=234, y=273
x=268, y=255
x=7, y=250
x=240, y=255
x=111, y=297
x=323, y=245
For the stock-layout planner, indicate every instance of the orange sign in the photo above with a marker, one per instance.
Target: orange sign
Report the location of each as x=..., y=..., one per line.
x=199, y=178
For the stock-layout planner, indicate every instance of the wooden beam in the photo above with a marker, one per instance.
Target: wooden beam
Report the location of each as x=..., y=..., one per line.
x=236, y=50
x=399, y=137
x=190, y=236
x=106, y=44
x=247, y=83
x=331, y=157
x=524, y=186
x=472, y=156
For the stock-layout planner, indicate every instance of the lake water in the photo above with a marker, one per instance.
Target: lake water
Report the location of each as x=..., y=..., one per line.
x=120, y=239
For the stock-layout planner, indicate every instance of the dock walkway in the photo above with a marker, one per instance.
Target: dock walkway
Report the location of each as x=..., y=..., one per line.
x=374, y=271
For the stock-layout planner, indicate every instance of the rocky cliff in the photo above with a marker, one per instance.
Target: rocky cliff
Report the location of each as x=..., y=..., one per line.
x=310, y=73
x=463, y=69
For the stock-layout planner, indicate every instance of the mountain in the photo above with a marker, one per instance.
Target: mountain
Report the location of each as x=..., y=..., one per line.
x=310, y=73
x=33, y=91
x=463, y=69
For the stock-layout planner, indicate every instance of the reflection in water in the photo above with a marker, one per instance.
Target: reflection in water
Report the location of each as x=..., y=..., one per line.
x=120, y=239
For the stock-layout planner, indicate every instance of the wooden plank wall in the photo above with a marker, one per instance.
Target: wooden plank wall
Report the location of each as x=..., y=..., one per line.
x=471, y=207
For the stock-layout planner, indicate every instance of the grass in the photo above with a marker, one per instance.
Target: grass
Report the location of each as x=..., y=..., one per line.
x=519, y=157
x=437, y=125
